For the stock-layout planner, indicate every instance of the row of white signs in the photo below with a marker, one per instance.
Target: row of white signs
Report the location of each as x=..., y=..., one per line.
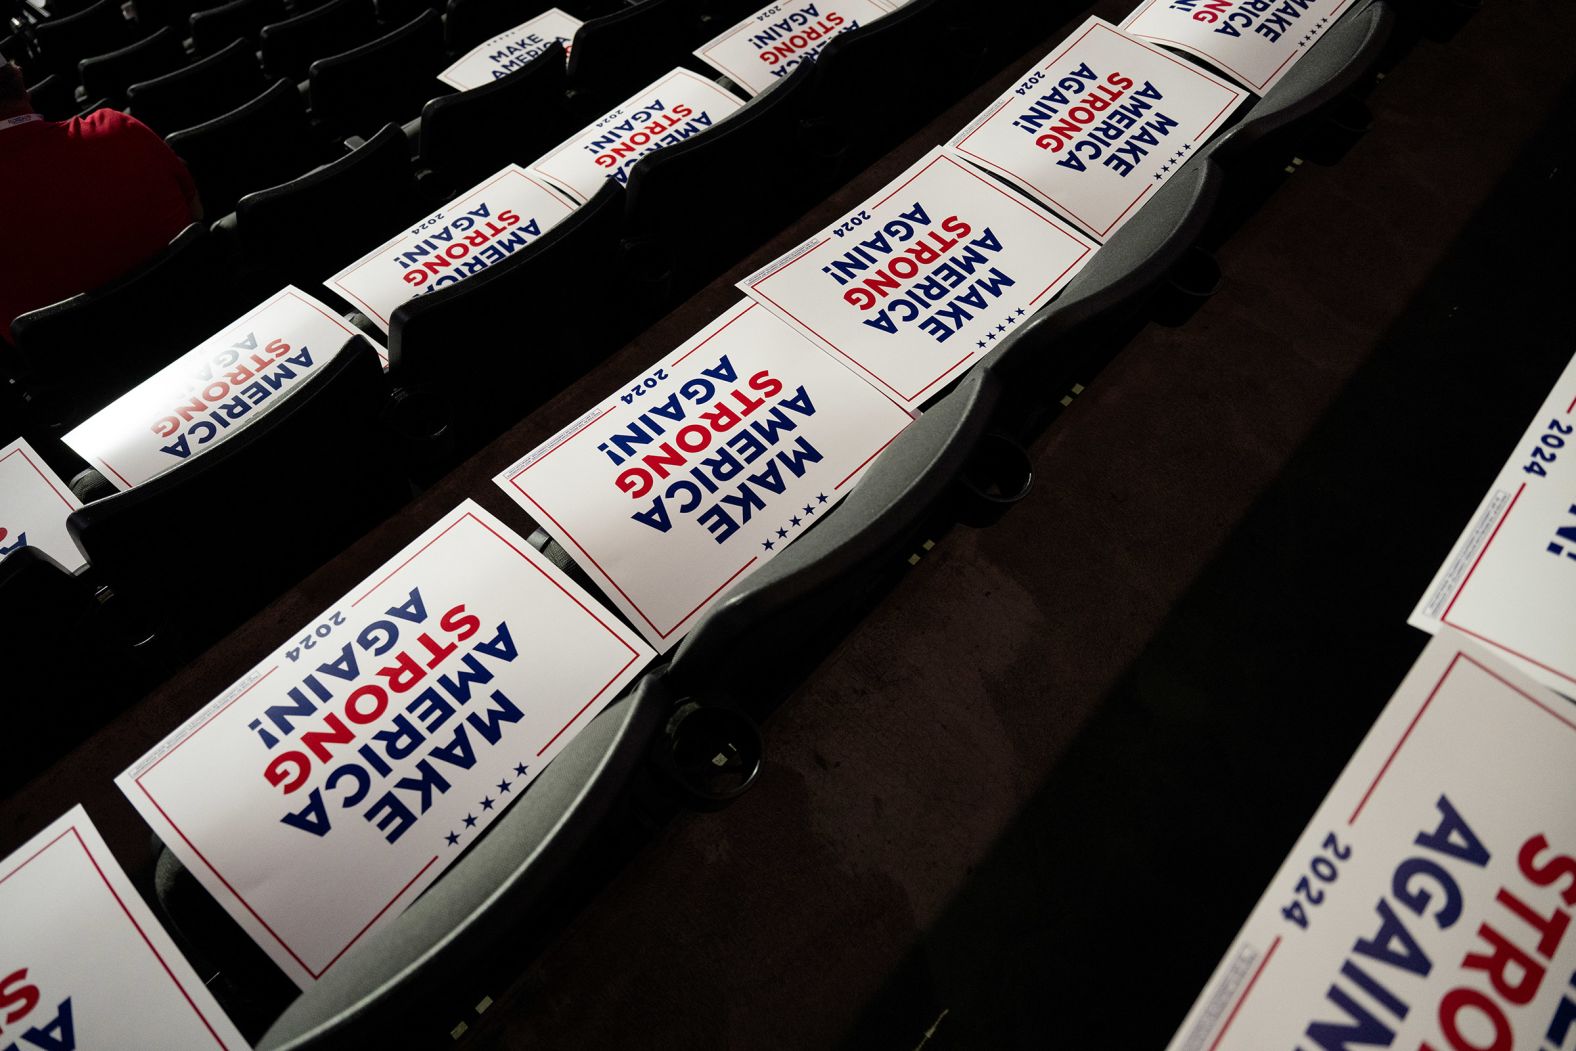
x=1427, y=903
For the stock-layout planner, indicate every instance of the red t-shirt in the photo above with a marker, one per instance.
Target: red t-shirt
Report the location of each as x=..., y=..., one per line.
x=86, y=200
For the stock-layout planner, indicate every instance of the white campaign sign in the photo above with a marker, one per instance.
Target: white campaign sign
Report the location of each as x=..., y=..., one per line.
x=1510, y=580
x=1428, y=903
x=704, y=468
x=34, y=504
x=481, y=227
x=320, y=794
x=1256, y=41
x=913, y=286
x=507, y=52
x=771, y=43
x=1099, y=125
x=679, y=105
x=86, y=964
x=214, y=390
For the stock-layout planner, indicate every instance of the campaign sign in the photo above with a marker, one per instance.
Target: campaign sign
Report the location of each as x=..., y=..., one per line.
x=771, y=43
x=702, y=469
x=679, y=105
x=1099, y=125
x=1256, y=41
x=483, y=226
x=914, y=285
x=1510, y=579
x=34, y=504
x=320, y=794
x=213, y=391
x=507, y=52
x=1428, y=904
x=86, y=965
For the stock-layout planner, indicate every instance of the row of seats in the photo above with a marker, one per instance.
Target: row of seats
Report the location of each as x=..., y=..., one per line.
x=110, y=56
x=953, y=445
x=795, y=141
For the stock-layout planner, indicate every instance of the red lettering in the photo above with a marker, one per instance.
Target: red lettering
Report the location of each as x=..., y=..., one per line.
x=1545, y=875
x=20, y=999
x=1458, y=1000
x=463, y=624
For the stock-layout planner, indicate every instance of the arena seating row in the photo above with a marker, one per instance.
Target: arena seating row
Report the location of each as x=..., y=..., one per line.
x=365, y=436
x=108, y=55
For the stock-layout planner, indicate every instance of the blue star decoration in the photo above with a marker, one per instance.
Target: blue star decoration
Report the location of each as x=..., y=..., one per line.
x=487, y=803
x=982, y=342
x=520, y=769
x=470, y=821
x=452, y=838
x=820, y=498
x=503, y=786
x=1020, y=311
x=794, y=522
x=1001, y=328
x=809, y=509
x=767, y=544
x=782, y=533
x=990, y=336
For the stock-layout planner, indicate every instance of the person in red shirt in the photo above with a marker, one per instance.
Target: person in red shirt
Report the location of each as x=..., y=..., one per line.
x=87, y=199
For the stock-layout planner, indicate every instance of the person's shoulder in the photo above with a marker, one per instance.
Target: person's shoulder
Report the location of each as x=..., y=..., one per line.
x=108, y=121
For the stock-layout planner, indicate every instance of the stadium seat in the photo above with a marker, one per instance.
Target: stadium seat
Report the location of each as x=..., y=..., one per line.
x=289, y=47
x=467, y=23
x=1337, y=62
x=871, y=531
x=318, y=464
x=1113, y=296
x=386, y=79
x=154, y=14
x=617, y=54
x=208, y=88
x=522, y=323
x=108, y=76
x=398, y=12
x=56, y=642
x=81, y=353
x=215, y=27
x=341, y=210
x=459, y=140
x=864, y=63
x=95, y=30
x=54, y=97
x=747, y=168
x=262, y=143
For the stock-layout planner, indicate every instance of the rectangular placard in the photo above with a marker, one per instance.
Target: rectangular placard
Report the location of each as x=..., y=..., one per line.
x=677, y=106
x=481, y=227
x=919, y=282
x=1255, y=41
x=774, y=41
x=1428, y=903
x=376, y=744
x=86, y=964
x=34, y=504
x=1099, y=125
x=214, y=390
x=509, y=51
x=1510, y=579
x=705, y=467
